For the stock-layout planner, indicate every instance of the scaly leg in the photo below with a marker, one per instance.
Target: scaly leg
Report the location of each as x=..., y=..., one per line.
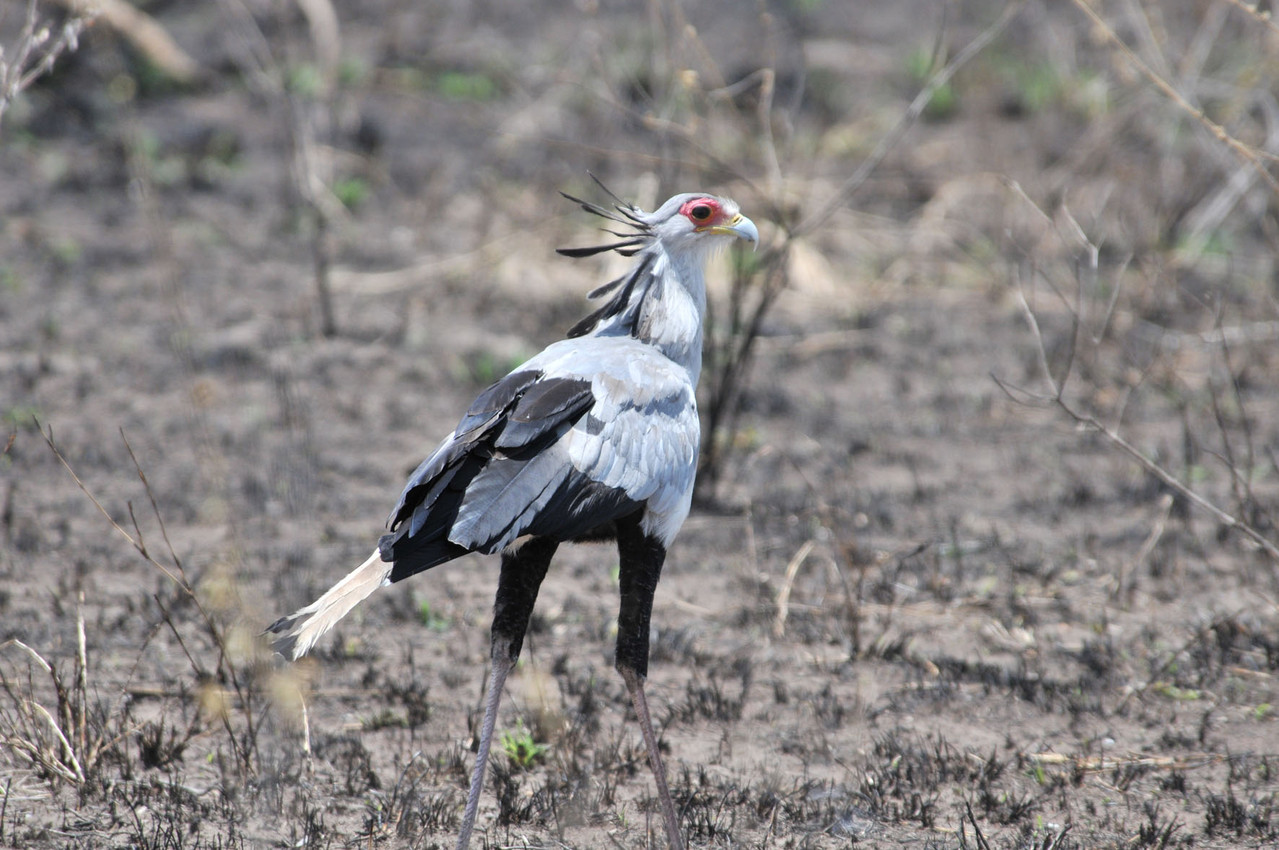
x=635, y=685
x=502, y=664
x=641, y=566
x=522, y=572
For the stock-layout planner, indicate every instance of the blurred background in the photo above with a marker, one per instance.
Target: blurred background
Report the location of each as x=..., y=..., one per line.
x=989, y=474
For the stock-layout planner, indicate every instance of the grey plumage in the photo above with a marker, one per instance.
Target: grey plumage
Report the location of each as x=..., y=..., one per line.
x=593, y=438
x=593, y=426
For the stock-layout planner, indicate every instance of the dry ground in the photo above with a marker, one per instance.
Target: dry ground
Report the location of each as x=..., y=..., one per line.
x=916, y=609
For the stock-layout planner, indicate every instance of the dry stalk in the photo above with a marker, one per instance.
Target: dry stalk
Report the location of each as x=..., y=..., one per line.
x=1253, y=9
x=144, y=32
x=23, y=736
x=1104, y=764
x=37, y=50
x=759, y=283
x=310, y=120
x=178, y=578
x=59, y=742
x=1091, y=423
x=228, y=669
x=909, y=118
x=1248, y=153
x=1166, y=502
x=783, y=595
x=1071, y=234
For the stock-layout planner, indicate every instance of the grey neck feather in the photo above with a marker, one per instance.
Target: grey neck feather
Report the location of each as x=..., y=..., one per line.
x=665, y=307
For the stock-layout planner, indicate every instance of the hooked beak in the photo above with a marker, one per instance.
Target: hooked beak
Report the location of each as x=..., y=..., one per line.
x=740, y=226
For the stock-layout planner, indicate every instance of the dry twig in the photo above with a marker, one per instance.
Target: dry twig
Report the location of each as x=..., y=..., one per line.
x=1073, y=235
x=144, y=32
x=37, y=50
x=1254, y=9
x=1091, y=423
x=1248, y=153
x=228, y=669
x=908, y=119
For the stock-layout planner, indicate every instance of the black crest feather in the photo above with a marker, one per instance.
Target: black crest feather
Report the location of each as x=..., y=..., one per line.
x=622, y=212
x=624, y=288
x=626, y=248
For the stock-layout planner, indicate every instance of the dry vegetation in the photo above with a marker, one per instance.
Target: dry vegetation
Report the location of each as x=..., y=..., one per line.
x=984, y=554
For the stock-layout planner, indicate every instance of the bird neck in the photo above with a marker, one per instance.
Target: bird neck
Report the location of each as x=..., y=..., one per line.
x=666, y=308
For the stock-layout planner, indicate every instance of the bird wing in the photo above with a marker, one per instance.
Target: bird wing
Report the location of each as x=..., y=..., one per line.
x=586, y=432
x=636, y=446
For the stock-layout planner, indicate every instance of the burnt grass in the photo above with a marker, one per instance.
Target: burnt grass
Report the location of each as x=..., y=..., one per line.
x=916, y=608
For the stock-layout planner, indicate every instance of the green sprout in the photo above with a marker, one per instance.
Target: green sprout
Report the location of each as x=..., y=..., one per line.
x=521, y=748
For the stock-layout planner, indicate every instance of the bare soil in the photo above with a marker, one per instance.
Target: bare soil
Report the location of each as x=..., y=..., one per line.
x=916, y=609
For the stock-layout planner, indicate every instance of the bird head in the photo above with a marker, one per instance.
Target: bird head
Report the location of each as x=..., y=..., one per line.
x=685, y=230
x=689, y=222
x=693, y=220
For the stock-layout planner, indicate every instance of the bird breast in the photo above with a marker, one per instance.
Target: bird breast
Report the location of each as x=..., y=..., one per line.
x=641, y=433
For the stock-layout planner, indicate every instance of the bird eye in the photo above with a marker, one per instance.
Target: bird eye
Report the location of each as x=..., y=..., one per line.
x=700, y=211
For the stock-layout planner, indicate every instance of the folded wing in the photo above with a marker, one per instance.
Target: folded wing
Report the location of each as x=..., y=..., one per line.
x=550, y=451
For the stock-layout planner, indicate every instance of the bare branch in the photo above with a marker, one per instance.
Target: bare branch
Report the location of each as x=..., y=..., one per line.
x=891, y=140
x=155, y=508
x=1255, y=11
x=36, y=53
x=1245, y=151
x=135, y=542
x=1072, y=234
x=1171, y=481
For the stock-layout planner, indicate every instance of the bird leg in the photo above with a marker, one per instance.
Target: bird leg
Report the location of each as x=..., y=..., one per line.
x=502, y=664
x=641, y=566
x=635, y=684
x=522, y=572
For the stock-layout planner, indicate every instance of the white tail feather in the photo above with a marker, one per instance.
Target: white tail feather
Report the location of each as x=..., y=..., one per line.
x=299, y=631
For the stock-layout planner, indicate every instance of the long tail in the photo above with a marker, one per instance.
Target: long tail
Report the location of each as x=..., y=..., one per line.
x=299, y=631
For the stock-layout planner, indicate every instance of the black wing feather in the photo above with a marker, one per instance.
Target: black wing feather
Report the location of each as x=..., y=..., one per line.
x=582, y=508
x=443, y=465
x=546, y=408
x=502, y=437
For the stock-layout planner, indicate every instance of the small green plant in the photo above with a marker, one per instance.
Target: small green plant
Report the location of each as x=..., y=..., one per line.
x=384, y=719
x=487, y=366
x=1173, y=692
x=430, y=618
x=1038, y=774
x=1032, y=86
x=24, y=417
x=352, y=71
x=1040, y=86
x=461, y=85
x=305, y=80
x=351, y=191
x=920, y=65
x=66, y=250
x=520, y=748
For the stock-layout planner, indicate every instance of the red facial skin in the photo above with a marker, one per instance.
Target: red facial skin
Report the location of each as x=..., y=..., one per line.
x=703, y=212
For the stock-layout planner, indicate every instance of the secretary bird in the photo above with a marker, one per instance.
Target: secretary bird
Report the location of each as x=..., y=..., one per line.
x=595, y=438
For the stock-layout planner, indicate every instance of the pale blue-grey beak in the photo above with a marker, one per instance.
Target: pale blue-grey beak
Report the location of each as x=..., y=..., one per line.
x=744, y=228
x=741, y=227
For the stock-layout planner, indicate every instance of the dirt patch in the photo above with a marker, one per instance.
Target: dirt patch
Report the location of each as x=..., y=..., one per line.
x=917, y=608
